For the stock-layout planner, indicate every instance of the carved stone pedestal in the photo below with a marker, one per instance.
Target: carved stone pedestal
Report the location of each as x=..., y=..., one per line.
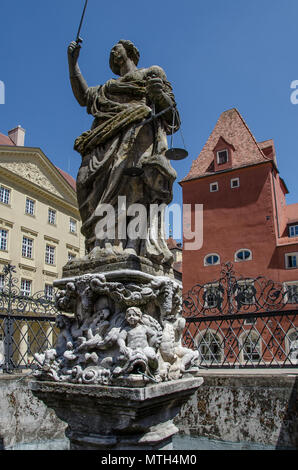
x=118, y=418
x=119, y=373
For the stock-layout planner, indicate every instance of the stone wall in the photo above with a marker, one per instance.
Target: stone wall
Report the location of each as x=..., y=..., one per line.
x=255, y=408
x=23, y=418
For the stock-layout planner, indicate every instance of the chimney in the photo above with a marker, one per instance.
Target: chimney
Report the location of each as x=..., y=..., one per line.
x=17, y=135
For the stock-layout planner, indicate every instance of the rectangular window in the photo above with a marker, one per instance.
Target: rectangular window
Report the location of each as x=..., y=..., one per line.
x=291, y=260
x=52, y=217
x=4, y=195
x=3, y=239
x=27, y=247
x=26, y=287
x=212, y=295
x=293, y=231
x=213, y=187
x=235, y=183
x=72, y=226
x=291, y=289
x=222, y=157
x=245, y=293
x=50, y=255
x=30, y=206
x=48, y=292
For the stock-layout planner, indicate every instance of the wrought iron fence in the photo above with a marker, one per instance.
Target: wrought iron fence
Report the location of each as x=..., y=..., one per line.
x=233, y=322
x=239, y=322
x=27, y=323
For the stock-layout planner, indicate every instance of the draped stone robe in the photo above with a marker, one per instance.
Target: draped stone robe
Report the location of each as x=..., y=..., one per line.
x=119, y=140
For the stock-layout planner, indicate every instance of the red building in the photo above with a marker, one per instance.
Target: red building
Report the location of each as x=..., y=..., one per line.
x=247, y=222
x=245, y=216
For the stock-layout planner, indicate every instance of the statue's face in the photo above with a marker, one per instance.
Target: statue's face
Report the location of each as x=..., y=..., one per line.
x=119, y=55
x=133, y=317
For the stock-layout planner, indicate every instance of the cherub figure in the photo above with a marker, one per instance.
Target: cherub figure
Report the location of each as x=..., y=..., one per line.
x=138, y=341
x=177, y=358
x=98, y=327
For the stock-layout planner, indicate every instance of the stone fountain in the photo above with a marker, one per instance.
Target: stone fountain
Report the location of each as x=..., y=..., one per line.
x=119, y=373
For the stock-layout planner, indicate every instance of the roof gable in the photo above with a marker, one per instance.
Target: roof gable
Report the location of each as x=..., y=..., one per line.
x=32, y=165
x=232, y=129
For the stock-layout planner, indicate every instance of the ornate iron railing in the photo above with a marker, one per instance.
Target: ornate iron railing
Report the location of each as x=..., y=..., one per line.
x=239, y=322
x=233, y=322
x=27, y=322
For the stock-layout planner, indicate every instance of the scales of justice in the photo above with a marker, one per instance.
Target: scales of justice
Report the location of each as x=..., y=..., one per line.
x=119, y=372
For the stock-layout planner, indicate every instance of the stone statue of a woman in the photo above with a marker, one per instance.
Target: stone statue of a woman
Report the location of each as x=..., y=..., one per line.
x=120, y=139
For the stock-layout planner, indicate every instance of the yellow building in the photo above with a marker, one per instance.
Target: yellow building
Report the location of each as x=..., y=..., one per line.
x=39, y=218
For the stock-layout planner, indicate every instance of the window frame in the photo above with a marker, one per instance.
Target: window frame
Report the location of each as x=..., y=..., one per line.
x=289, y=342
x=238, y=181
x=3, y=230
x=46, y=294
x=217, y=156
x=4, y=189
x=212, y=287
x=215, y=338
x=213, y=190
x=246, y=283
x=293, y=227
x=22, y=290
x=27, y=212
x=27, y=248
x=211, y=264
x=52, y=211
x=258, y=347
x=239, y=260
x=288, y=295
x=293, y=254
x=74, y=223
x=48, y=255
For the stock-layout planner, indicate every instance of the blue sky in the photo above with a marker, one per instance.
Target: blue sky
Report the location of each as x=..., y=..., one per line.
x=217, y=54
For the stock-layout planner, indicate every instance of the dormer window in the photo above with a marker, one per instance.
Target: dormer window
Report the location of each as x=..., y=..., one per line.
x=293, y=230
x=222, y=157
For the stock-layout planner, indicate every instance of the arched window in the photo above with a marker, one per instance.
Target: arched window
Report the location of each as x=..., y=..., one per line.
x=250, y=347
x=292, y=346
x=244, y=254
x=211, y=259
x=210, y=346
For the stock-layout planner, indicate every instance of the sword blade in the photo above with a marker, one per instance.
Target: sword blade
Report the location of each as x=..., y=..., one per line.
x=81, y=22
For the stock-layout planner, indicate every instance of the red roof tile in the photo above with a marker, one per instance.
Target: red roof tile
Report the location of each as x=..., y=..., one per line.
x=292, y=213
x=68, y=178
x=233, y=129
x=5, y=140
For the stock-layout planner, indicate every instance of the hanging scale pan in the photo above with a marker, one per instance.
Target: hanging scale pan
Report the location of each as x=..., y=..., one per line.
x=176, y=154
